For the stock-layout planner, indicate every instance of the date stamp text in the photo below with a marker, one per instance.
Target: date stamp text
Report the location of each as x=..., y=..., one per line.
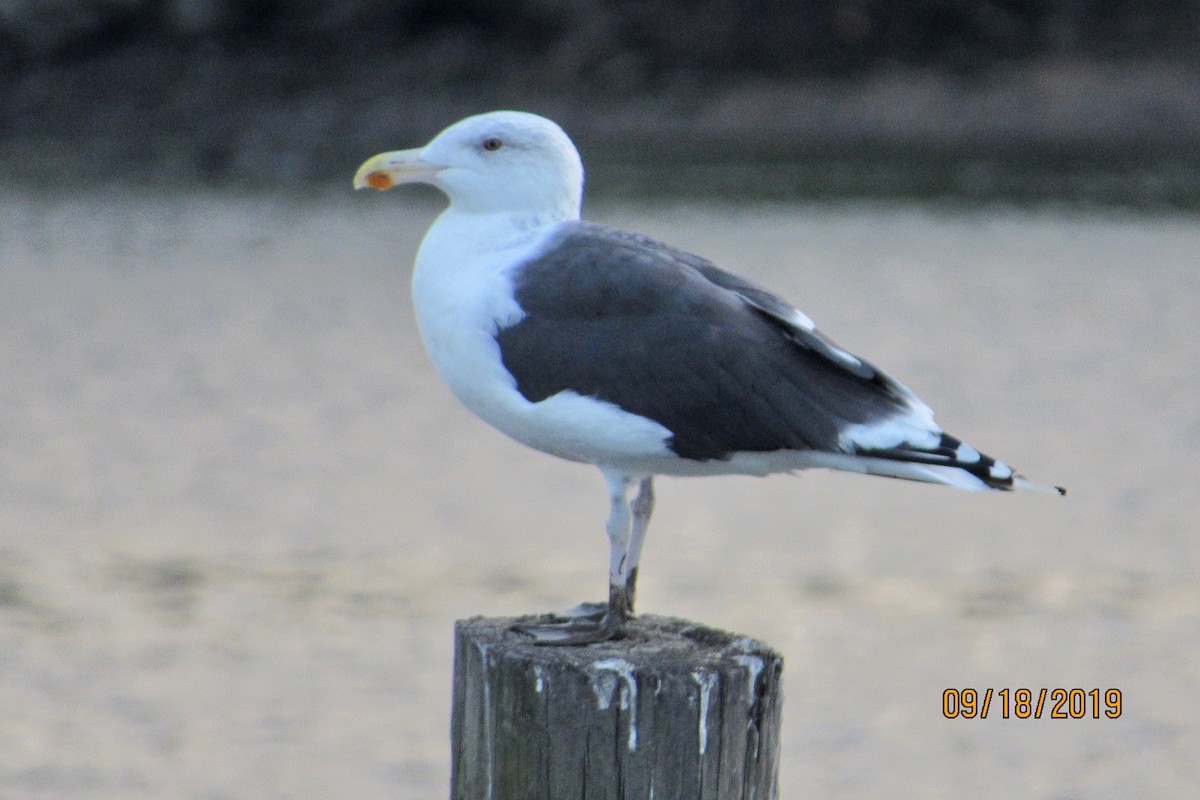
x=1035, y=703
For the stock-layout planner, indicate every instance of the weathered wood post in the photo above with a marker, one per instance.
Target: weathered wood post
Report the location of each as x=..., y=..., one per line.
x=673, y=711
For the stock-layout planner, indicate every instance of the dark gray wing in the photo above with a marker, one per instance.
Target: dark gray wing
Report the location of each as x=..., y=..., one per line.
x=785, y=315
x=720, y=362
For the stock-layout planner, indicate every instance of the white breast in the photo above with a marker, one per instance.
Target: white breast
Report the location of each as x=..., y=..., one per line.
x=463, y=294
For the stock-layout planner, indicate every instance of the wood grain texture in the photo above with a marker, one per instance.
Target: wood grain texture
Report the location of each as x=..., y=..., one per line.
x=673, y=711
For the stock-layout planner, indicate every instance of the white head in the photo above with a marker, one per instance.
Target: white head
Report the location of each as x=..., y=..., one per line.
x=499, y=162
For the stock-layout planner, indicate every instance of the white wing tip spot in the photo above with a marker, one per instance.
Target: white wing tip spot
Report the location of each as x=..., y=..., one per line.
x=969, y=455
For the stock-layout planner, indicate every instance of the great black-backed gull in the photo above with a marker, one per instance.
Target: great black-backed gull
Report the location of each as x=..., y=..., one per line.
x=613, y=349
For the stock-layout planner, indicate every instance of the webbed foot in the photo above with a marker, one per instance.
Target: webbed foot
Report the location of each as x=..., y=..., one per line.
x=587, y=623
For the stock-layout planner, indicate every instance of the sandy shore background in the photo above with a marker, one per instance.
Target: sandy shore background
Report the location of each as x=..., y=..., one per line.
x=239, y=513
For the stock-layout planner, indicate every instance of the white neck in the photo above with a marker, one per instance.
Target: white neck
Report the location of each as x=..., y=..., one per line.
x=463, y=239
x=462, y=291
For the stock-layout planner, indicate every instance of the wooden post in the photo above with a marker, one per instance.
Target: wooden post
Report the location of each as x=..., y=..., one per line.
x=673, y=711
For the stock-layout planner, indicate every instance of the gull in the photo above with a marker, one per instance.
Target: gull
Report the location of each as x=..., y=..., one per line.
x=610, y=348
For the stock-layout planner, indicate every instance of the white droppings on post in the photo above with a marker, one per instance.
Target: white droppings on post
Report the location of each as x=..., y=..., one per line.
x=706, y=681
x=608, y=673
x=538, y=683
x=489, y=739
x=752, y=663
x=604, y=686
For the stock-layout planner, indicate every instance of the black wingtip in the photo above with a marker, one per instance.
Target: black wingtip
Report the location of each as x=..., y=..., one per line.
x=1062, y=490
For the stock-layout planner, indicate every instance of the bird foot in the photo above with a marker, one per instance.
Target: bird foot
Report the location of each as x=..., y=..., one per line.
x=587, y=623
x=572, y=631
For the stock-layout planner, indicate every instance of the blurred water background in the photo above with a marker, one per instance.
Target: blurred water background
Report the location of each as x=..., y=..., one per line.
x=239, y=512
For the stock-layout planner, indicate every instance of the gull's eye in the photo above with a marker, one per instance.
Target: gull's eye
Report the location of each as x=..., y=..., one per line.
x=492, y=144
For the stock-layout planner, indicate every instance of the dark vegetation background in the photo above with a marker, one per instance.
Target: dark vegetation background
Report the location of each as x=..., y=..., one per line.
x=1066, y=99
